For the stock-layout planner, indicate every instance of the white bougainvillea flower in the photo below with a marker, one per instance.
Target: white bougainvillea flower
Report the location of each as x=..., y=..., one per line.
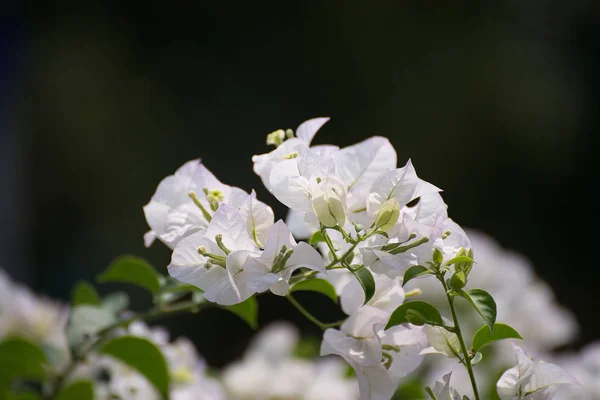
x=281, y=257
x=379, y=358
x=441, y=341
x=184, y=203
x=443, y=391
x=259, y=218
x=201, y=260
x=289, y=149
x=403, y=184
x=388, y=295
x=358, y=166
x=531, y=380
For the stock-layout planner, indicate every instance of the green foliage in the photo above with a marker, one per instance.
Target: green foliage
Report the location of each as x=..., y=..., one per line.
x=483, y=303
x=438, y=257
x=414, y=272
x=130, y=269
x=484, y=336
x=173, y=290
x=412, y=309
x=246, y=310
x=365, y=278
x=143, y=356
x=317, y=237
x=20, y=358
x=316, y=285
x=86, y=321
x=84, y=293
x=458, y=280
x=78, y=390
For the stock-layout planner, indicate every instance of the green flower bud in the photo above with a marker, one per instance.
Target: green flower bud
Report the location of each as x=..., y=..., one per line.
x=438, y=257
x=329, y=206
x=388, y=214
x=458, y=280
x=276, y=138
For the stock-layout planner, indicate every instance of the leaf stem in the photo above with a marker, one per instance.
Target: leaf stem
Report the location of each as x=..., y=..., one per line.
x=310, y=317
x=156, y=312
x=463, y=347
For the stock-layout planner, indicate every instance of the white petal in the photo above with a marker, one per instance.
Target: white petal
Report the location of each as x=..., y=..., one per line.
x=186, y=264
x=301, y=229
x=236, y=262
x=375, y=383
x=149, y=238
x=359, y=165
x=278, y=236
x=365, y=322
x=507, y=384
x=402, y=183
x=364, y=352
x=306, y=256
x=307, y=130
x=259, y=218
x=259, y=276
x=411, y=340
x=442, y=341
x=228, y=222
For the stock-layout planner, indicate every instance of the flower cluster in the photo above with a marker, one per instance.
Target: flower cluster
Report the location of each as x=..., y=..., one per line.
x=369, y=235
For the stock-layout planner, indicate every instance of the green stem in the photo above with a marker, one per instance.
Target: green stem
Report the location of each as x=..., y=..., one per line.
x=463, y=347
x=309, y=316
x=158, y=312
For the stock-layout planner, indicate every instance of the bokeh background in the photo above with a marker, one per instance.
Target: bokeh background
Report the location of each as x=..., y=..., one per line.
x=496, y=102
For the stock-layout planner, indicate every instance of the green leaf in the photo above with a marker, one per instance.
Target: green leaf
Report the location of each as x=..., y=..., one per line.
x=316, y=285
x=143, y=356
x=78, y=390
x=85, y=321
x=458, y=280
x=402, y=314
x=365, y=278
x=174, y=290
x=20, y=358
x=84, y=293
x=317, y=237
x=246, y=310
x=460, y=259
x=414, y=272
x=484, y=336
x=131, y=270
x=483, y=302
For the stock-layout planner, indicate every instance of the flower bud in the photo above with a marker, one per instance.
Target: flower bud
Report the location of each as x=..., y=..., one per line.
x=328, y=205
x=388, y=214
x=276, y=138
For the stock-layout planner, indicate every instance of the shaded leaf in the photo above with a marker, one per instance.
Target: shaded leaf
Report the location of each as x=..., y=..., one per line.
x=365, y=278
x=406, y=311
x=484, y=336
x=133, y=270
x=84, y=293
x=78, y=390
x=143, y=356
x=317, y=237
x=20, y=358
x=483, y=302
x=316, y=285
x=246, y=310
x=414, y=272
x=460, y=259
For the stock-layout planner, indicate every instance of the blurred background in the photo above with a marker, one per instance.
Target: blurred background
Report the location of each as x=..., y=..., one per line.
x=495, y=102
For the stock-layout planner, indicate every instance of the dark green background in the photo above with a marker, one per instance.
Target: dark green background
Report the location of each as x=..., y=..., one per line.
x=495, y=102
